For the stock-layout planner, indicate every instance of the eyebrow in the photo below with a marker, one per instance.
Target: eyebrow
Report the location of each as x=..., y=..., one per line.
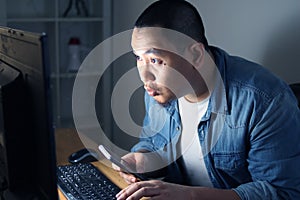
x=152, y=51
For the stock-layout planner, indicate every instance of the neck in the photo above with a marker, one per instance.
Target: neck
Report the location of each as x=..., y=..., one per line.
x=196, y=98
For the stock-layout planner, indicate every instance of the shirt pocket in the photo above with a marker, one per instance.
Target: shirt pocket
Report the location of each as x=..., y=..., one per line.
x=232, y=166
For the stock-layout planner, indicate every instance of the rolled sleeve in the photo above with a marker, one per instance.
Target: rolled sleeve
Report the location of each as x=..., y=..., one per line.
x=142, y=145
x=257, y=190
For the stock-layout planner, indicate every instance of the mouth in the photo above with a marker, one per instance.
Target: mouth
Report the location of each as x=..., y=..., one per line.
x=151, y=91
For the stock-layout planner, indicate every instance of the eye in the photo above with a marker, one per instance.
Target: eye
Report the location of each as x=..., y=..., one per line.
x=156, y=61
x=138, y=58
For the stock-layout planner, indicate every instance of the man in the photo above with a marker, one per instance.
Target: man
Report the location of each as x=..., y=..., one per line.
x=219, y=126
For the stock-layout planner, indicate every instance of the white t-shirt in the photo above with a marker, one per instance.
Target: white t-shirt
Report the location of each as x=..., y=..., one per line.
x=191, y=114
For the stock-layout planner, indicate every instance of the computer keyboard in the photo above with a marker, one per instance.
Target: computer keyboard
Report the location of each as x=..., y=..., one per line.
x=84, y=181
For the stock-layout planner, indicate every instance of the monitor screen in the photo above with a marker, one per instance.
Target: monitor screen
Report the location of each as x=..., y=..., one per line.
x=27, y=148
x=11, y=83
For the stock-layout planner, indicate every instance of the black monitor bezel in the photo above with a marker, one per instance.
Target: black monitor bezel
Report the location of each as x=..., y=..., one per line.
x=33, y=64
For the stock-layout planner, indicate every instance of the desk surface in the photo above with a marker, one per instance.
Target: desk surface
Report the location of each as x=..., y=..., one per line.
x=67, y=142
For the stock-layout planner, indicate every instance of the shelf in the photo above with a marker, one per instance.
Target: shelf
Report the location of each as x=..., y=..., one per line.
x=69, y=19
x=30, y=20
x=63, y=75
x=81, y=19
x=72, y=75
x=47, y=16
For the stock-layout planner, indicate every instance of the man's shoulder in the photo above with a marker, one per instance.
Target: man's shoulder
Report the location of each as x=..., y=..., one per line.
x=242, y=74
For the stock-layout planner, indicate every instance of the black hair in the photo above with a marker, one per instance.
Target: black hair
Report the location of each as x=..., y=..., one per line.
x=177, y=15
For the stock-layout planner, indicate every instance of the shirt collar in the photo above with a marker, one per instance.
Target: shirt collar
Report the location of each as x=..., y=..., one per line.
x=218, y=99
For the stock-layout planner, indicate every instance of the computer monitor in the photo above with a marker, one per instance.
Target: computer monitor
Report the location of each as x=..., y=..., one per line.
x=27, y=147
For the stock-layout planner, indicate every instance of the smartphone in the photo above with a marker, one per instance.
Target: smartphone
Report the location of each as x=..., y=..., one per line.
x=117, y=160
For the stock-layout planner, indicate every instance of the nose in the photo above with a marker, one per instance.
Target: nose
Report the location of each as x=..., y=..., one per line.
x=145, y=73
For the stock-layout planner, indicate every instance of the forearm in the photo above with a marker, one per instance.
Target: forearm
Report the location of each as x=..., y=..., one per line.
x=205, y=193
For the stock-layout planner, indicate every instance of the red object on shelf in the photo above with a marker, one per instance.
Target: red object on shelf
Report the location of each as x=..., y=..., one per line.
x=74, y=41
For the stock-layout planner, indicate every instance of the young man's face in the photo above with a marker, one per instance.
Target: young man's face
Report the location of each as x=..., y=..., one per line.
x=165, y=74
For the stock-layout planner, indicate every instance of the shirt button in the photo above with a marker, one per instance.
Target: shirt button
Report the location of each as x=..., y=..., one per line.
x=177, y=128
x=201, y=134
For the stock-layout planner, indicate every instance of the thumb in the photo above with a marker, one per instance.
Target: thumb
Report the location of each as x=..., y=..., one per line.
x=115, y=167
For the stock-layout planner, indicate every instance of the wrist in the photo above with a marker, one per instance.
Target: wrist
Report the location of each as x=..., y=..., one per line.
x=194, y=193
x=206, y=193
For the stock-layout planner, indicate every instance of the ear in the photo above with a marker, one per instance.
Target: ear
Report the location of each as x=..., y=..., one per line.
x=197, y=51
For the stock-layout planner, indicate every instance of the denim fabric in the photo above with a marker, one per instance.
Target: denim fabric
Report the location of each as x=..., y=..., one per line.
x=250, y=134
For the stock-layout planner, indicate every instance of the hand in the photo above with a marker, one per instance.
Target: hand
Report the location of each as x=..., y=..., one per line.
x=129, y=178
x=155, y=189
x=136, y=161
x=147, y=163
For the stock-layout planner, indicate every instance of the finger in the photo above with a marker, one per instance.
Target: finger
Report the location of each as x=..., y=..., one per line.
x=129, y=178
x=139, y=190
x=145, y=192
x=116, y=167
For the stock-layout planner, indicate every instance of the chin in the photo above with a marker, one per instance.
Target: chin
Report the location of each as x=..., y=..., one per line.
x=161, y=99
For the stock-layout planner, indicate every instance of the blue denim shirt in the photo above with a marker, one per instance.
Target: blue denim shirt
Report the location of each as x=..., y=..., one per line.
x=250, y=134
